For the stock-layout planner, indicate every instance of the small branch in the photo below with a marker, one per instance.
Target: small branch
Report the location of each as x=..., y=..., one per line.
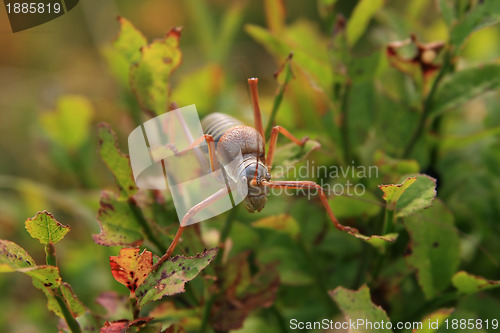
x=135, y=307
x=427, y=107
x=279, y=97
x=207, y=309
x=226, y=229
x=68, y=316
x=50, y=259
x=344, y=108
x=50, y=255
x=388, y=221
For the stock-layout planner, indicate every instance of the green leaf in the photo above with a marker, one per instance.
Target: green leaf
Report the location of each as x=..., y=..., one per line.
x=438, y=317
x=360, y=18
x=117, y=162
x=392, y=193
x=357, y=305
x=170, y=278
x=394, y=168
x=434, y=248
x=129, y=41
x=283, y=222
x=46, y=228
x=417, y=197
x=288, y=155
x=484, y=14
x=14, y=258
x=275, y=14
x=206, y=81
x=365, y=205
x=69, y=124
x=310, y=51
x=150, y=76
x=379, y=242
x=75, y=306
x=46, y=275
x=447, y=11
x=203, y=24
x=170, y=314
x=453, y=143
x=230, y=25
x=465, y=85
x=125, y=50
x=468, y=284
x=118, y=223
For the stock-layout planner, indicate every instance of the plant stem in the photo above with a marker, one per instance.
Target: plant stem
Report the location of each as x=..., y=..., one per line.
x=135, y=307
x=206, y=313
x=226, y=229
x=50, y=255
x=145, y=226
x=68, y=316
x=363, y=264
x=427, y=107
x=279, y=97
x=50, y=259
x=388, y=222
x=344, y=106
x=387, y=228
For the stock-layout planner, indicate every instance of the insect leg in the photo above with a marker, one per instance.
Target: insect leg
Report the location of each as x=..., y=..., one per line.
x=324, y=200
x=214, y=164
x=274, y=139
x=193, y=211
x=252, y=82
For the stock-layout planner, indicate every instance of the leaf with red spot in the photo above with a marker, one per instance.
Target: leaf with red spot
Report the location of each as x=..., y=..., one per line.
x=149, y=77
x=118, y=223
x=122, y=326
x=170, y=278
x=175, y=329
x=131, y=268
x=124, y=51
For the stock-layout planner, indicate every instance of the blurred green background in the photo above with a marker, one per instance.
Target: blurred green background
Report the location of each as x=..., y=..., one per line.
x=56, y=86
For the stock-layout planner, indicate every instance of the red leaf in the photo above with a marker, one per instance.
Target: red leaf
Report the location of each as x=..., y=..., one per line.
x=121, y=326
x=131, y=268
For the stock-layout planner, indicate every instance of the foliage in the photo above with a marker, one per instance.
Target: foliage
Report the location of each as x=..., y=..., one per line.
x=392, y=103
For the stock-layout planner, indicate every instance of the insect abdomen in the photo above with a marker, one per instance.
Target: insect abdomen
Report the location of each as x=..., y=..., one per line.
x=216, y=124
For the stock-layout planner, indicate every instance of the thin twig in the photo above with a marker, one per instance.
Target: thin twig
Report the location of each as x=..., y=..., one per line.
x=427, y=107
